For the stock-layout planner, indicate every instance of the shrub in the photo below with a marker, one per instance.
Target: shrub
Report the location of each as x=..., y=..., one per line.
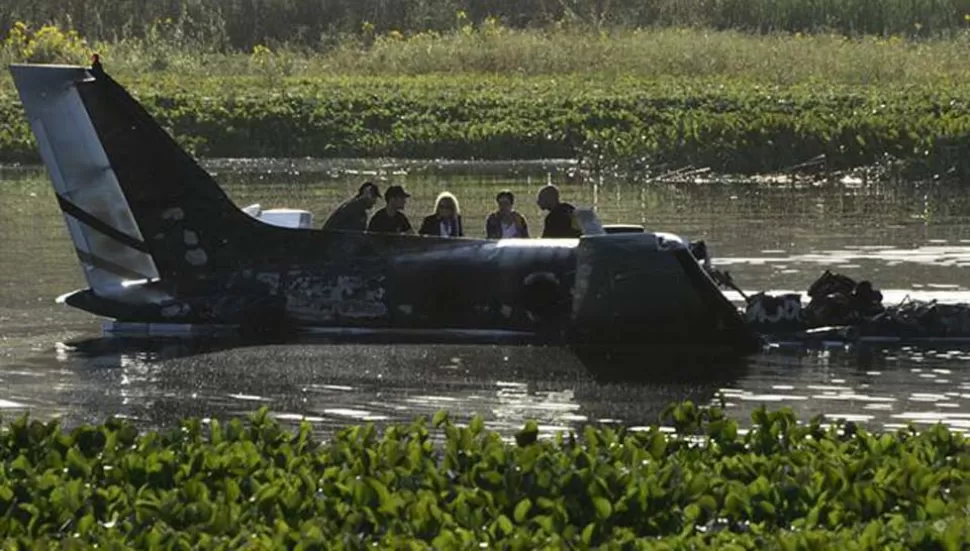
x=48, y=44
x=782, y=484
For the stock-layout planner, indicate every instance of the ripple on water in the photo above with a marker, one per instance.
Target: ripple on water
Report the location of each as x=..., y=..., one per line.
x=356, y=414
x=853, y=417
x=298, y=417
x=853, y=397
x=924, y=397
x=249, y=398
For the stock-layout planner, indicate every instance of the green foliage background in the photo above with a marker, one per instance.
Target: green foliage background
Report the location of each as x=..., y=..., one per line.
x=781, y=485
x=503, y=80
x=739, y=128
x=246, y=23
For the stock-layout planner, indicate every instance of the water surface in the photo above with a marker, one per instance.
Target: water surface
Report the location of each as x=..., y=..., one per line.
x=909, y=239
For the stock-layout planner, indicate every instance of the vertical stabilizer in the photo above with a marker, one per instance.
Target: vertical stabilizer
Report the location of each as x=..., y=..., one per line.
x=106, y=237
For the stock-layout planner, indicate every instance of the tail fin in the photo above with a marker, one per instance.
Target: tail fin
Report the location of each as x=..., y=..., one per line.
x=137, y=205
x=106, y=237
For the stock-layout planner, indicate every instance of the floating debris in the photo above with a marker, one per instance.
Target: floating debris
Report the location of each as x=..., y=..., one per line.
x=842, y=308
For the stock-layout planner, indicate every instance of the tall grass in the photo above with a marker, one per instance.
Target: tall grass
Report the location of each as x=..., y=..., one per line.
x=242, y=24
x=490, y=48
x=660, y=53
x=723, y=99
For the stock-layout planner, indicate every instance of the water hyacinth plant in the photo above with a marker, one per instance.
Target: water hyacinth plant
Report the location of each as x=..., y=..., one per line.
x=257, y=485
x=730, y=127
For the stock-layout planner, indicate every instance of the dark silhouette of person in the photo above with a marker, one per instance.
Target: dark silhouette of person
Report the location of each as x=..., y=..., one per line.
x=391, y=218
x=561, y=221
x=351, y=215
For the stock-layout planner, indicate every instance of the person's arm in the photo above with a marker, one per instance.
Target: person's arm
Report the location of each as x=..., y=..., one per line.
x=574, y=226
x=490, y=232
x=426, y=228
x=525, y=226
x=375, y=223
x=335, y=220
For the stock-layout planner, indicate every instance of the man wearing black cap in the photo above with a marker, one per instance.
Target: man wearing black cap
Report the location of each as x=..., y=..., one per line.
x=391, y=219
x=351, y=215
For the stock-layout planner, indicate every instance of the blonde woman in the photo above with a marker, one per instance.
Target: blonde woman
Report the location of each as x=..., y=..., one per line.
x=446, y=220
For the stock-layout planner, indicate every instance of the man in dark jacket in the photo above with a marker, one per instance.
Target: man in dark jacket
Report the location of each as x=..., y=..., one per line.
x=561, y=221
x=351, y=215
x=391, y=219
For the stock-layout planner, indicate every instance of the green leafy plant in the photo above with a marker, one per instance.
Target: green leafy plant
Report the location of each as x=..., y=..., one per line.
x=48, y=44
x=783, y=484
x=729, y=127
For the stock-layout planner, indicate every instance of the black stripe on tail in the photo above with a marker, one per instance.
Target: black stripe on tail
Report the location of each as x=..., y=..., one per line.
x=94, y=223
x=108, y=266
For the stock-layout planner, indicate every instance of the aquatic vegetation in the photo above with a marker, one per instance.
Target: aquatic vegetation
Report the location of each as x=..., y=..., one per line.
x=490, y=48
x=665, y=98
x=727, y=126
x=782, y=485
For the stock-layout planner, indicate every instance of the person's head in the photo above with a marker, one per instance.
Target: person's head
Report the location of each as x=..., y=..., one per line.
x=446, y=205
x=370, y=193
x=548, y=197
x=396, y=197
x=505, y=200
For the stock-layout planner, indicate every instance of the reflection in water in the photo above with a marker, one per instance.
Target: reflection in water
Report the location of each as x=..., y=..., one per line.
x=908, y=239
x=158, y=382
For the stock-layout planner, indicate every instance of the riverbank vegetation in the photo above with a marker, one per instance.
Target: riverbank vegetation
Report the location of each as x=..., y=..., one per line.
x=242, y=24
x=662, y=97
x=708, y=485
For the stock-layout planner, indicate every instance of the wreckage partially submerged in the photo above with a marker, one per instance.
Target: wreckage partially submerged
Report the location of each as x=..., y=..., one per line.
x=160, y=242
x=843, y=310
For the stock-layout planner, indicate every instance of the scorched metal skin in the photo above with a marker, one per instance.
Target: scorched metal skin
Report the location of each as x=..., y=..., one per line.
x=161, y=242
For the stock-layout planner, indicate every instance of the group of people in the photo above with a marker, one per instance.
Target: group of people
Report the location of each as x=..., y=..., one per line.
x=505, y=222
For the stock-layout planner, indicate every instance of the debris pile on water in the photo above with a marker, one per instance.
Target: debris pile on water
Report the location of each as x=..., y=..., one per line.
x=841, y=307
x=921, y=319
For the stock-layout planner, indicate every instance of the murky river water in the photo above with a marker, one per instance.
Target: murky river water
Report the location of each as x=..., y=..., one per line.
x=909, y=239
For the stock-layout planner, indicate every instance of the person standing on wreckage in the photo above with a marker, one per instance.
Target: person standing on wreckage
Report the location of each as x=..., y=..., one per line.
x=561, y=222
x=351, y=215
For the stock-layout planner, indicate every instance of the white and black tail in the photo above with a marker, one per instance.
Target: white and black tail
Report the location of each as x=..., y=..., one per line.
x=137, y=206
x=107, y=239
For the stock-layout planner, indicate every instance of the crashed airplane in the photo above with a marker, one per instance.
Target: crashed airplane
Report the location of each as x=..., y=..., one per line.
x=161, y=243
